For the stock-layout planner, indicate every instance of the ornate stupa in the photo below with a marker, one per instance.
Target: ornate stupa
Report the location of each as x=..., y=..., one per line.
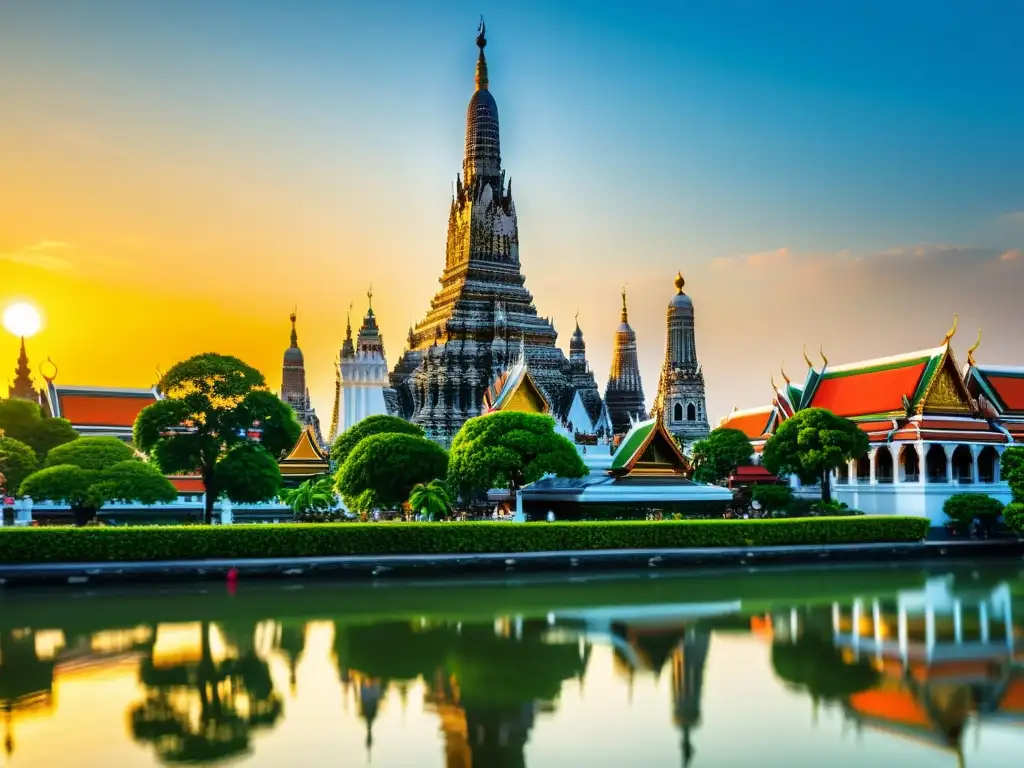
x=22, y=386
x=624, y=395
x=681, y=400
x=293, y=383
x=483, y=309
x=581, y=378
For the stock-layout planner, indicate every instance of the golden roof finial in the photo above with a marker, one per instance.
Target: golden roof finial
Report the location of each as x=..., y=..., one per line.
x=51, y=377
x=807, y=359
x=775, y=387
x=625, y=316
x=973, y=349
x=679, y=281
x=951, y=332
x=782, y=370
x=369, y=297
x=821, y=351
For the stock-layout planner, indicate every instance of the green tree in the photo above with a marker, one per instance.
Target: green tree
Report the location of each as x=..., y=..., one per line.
x=310, y=496
x=371, y=425
x=17, y=461
x=716, y=457
x=812, y=443
x=1011, y=469
x=24, y=420
x=91, y=453
x=97, y=473
x=508, y=450
x=210, y=402
x=431, y=499
x=383, y=469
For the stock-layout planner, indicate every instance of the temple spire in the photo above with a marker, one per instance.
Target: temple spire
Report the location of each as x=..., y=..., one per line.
x=22, y=387
x=295, y=336
x=481, y=61
x=624, y=318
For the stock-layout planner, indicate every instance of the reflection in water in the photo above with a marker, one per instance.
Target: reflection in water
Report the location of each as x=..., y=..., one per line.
x=929, y=660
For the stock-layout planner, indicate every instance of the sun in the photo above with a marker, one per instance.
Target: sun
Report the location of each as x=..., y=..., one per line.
x=22, y=319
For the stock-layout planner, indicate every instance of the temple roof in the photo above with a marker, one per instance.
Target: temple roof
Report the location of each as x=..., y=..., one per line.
x=98, y=407
x=306, y=457
x=1002, y=385
x=752, y=422
x=515, y=390
x=187, y=483
x=648, y=448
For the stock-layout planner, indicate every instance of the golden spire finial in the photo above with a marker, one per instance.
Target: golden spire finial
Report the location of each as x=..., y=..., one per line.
x=782, y=370
x=807, y=359
x=821, y=351
x=775, y=387
x=951, y=332
x=973, y=349
x=49, y=378
x=481, y=61
x=679, y=281
x=625, y=315
x=369, y=297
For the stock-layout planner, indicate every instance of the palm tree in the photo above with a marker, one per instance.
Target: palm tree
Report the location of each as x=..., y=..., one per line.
x=431, y=499
x=310, y=496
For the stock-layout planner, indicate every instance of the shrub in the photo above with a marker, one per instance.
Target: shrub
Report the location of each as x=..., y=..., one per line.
x=963, y=508
x=1013, y=514
x=772, y=497
x=382, y=470
x=379, y=424
x=52, y=545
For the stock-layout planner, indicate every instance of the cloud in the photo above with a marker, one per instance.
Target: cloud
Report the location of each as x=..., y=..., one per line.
x=1014, y=254
x=936, y=254
x=42, y=255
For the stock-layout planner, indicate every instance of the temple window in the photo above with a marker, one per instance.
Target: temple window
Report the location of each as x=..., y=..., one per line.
x=864, y=469
x=677, y=412
x=883, y=465
x=988, y=460
x=691, y=412
x=962, y=465
x=935, y=464
x=910, y=464
x=843, y=474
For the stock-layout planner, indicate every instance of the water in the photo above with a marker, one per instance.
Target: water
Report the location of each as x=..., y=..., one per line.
x=720, y=669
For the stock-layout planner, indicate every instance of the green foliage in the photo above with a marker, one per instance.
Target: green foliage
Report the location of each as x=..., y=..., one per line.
x=773, y=497
x=1011, y=469
x=248, y=474
x=964, y=508
x=52, y=544
x=1013, y=514
x=833, y=508
x=17, y=461
x=508, y=450
x=716, y=457
x=131, y=481
x=23, y=420
x=812, y=443
x=211, y=400
x=64, y=483
x=371, y=425
x=91, y=453
x=430, y=499
x=311, y=496
x=815, y=665
x=382, y=470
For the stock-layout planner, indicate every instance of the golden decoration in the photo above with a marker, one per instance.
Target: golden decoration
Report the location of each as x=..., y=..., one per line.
x=951, y=332
x=821, y=351
x=944, y=395
x=807, y=359
x=782, y=370
x=973, y=349
x=50, y=378
x=774, y=385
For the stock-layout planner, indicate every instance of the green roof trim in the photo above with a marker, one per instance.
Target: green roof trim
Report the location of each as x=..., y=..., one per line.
x=632, y=442
x=879, y=368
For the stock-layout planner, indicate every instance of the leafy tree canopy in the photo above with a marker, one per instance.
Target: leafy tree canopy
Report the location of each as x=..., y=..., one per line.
x=507, y=450
x=210, y=402
x=24, y=420
x=17, y=461
x=91, y=453
x=310, y=496
x=1011, y=469
x=382, y=470
x=248, y=474
x=717, y=456
x=812, y=443
x=371, y=425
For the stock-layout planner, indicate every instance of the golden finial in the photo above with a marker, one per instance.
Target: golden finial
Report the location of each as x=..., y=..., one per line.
x=782, y=370
x=625, y=316
x=807, y=359
x=952, y=331
x=775, y=387
x=679, y=282
x=973, y=349
x=821, y=351
x=369, y=296
x=49, y=378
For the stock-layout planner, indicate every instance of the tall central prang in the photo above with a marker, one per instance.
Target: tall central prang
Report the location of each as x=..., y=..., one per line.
x=483, y=311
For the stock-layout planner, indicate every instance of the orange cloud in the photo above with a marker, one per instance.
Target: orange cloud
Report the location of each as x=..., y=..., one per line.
x=42, y=256
x=1013, y=254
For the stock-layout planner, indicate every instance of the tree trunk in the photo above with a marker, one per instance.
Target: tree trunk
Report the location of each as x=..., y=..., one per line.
x=209, y=498
x=83, y=515
x=826, y=487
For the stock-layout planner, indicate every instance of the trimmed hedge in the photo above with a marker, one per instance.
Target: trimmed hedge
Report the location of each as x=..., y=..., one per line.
x=68, y=545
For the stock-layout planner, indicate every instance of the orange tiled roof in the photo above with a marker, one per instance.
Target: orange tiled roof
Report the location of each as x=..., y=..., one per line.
x=1004, y=386
x=895, y=706
x=1010, y=390
x=752, y=423
x=187, y=483
x=100, y=407
x=959, y=430
x=870, y=388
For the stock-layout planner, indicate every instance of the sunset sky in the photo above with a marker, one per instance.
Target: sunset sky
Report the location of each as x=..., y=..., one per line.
x=178, y=176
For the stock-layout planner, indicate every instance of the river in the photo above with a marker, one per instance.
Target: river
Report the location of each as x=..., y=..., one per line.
x=896, y=666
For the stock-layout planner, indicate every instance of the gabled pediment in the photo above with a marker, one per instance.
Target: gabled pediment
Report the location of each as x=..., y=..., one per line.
x=648, y=449
x=946, y=391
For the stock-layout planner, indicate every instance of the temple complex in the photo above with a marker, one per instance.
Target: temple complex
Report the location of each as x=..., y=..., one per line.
x=680, y=397
x=624, y=395
x=362, y=384
x=293, y=384
x=483, y=307
x=930, y=437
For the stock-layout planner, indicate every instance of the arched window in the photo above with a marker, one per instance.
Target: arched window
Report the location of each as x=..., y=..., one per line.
x=677, y=412
x=691, y=412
